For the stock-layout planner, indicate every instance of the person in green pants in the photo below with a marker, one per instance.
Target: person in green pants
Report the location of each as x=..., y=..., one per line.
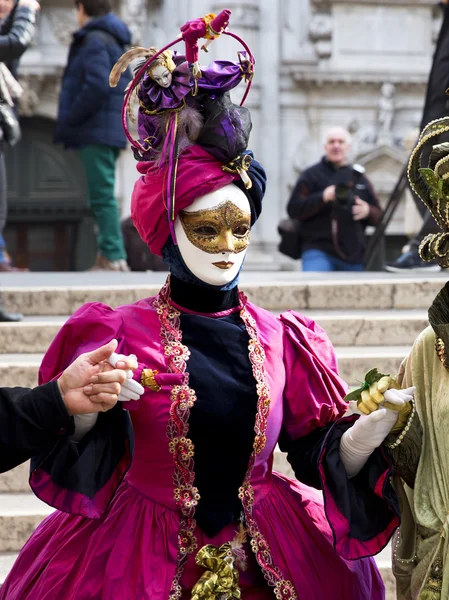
x=89, y=119
x=99, y=164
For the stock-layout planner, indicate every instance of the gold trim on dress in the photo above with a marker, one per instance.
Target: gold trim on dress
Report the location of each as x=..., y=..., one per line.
x=441, y=352
x=183, y=397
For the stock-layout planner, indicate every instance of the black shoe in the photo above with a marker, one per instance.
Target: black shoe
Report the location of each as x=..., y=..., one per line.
x=6, y=317
x=410, y=261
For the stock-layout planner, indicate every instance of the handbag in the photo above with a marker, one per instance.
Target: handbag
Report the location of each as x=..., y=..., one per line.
x=9, y=124
x=291, y=241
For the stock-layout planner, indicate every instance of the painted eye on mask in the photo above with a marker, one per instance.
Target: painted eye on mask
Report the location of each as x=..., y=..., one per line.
x=206, y=231
x=241, y=231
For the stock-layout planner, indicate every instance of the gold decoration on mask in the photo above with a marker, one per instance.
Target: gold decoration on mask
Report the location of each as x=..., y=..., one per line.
x=240, y=165
x=147, y=379
x=225, y=228
x=221, y=580
x=431, y=184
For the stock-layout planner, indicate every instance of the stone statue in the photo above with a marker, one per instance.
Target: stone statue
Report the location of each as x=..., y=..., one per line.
x=386, y=108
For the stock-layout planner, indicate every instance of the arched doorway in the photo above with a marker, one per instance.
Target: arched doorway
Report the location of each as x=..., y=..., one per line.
x=49, y=226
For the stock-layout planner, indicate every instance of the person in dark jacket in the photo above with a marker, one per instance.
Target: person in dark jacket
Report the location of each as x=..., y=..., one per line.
x=89, y=118
x=32, y=420
x=17, y=24
x=436, y=106
x=332, y=231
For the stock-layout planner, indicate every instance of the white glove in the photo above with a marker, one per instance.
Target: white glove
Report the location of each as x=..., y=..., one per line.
x=130, y=390
x=359, y=442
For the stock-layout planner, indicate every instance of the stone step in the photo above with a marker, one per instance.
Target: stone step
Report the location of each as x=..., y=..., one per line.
x=344, y=328
x=16, y=480
x=20, y=514
x=19, y=369
x=371, y=327
x=28, y=336
x=55, y=294
x=354, y=362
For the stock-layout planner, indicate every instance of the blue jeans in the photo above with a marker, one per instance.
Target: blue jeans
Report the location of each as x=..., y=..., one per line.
x=317, y=260
x=2, y=249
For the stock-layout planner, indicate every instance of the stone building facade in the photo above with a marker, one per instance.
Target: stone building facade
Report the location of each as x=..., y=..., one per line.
x=320, y=63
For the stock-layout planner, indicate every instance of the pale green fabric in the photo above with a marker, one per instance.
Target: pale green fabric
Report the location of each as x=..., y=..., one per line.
x=425, y=509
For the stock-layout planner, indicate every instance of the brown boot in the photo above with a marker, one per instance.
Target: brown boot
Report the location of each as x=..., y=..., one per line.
x=103, y=264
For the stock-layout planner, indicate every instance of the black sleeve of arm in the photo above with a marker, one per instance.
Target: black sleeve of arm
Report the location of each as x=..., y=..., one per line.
x=30, y=422
x=303, y=454
x=14, y=43
x=375, y=211
x=304, y=202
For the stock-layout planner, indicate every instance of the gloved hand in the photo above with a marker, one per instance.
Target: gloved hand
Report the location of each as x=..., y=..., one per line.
x=131, y=389
x=359, y=442
x=381, y=393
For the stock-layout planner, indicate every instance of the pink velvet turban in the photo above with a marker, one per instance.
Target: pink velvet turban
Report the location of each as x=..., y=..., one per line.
x=198, y=173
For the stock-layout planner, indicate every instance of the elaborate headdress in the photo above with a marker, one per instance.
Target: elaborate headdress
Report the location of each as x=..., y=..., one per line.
x=431, y=184
x=192, y=138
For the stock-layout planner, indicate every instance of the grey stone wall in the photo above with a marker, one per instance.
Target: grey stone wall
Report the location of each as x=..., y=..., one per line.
x=356, y=63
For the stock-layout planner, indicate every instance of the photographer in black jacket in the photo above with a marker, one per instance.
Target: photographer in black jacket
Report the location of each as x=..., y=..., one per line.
x=334, y=202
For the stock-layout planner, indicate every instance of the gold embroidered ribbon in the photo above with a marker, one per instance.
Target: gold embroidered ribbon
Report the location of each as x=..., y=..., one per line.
x=148, y=379
x=221, y=578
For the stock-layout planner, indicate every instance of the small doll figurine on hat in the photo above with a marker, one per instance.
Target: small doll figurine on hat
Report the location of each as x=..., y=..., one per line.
x=171, y=91
x=180, y=106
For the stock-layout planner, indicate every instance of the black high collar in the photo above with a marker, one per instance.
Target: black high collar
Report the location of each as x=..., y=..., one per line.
x=202, y=299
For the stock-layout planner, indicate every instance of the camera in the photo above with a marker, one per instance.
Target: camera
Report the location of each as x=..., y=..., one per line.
x=345, y=192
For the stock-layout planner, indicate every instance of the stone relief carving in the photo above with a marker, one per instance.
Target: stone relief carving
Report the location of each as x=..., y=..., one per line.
x=133, y=12
x=32, y=86
x=364, y=137
x=320, y=32
x=37, y=91
x=62, y=24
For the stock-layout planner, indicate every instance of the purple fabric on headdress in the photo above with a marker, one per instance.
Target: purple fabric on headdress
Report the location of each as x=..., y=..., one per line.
x=217, y=78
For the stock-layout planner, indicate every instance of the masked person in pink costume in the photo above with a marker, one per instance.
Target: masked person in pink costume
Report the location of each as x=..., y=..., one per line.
x=175, y=497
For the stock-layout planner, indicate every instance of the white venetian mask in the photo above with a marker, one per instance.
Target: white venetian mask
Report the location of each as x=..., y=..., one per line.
x=213, y=235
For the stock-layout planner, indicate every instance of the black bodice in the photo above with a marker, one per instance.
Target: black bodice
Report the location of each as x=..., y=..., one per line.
x=221, y=424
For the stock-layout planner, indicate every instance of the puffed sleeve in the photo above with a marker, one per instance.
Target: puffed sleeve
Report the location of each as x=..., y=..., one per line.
x=363, y=510
x=81, y=478
x=224, y=75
